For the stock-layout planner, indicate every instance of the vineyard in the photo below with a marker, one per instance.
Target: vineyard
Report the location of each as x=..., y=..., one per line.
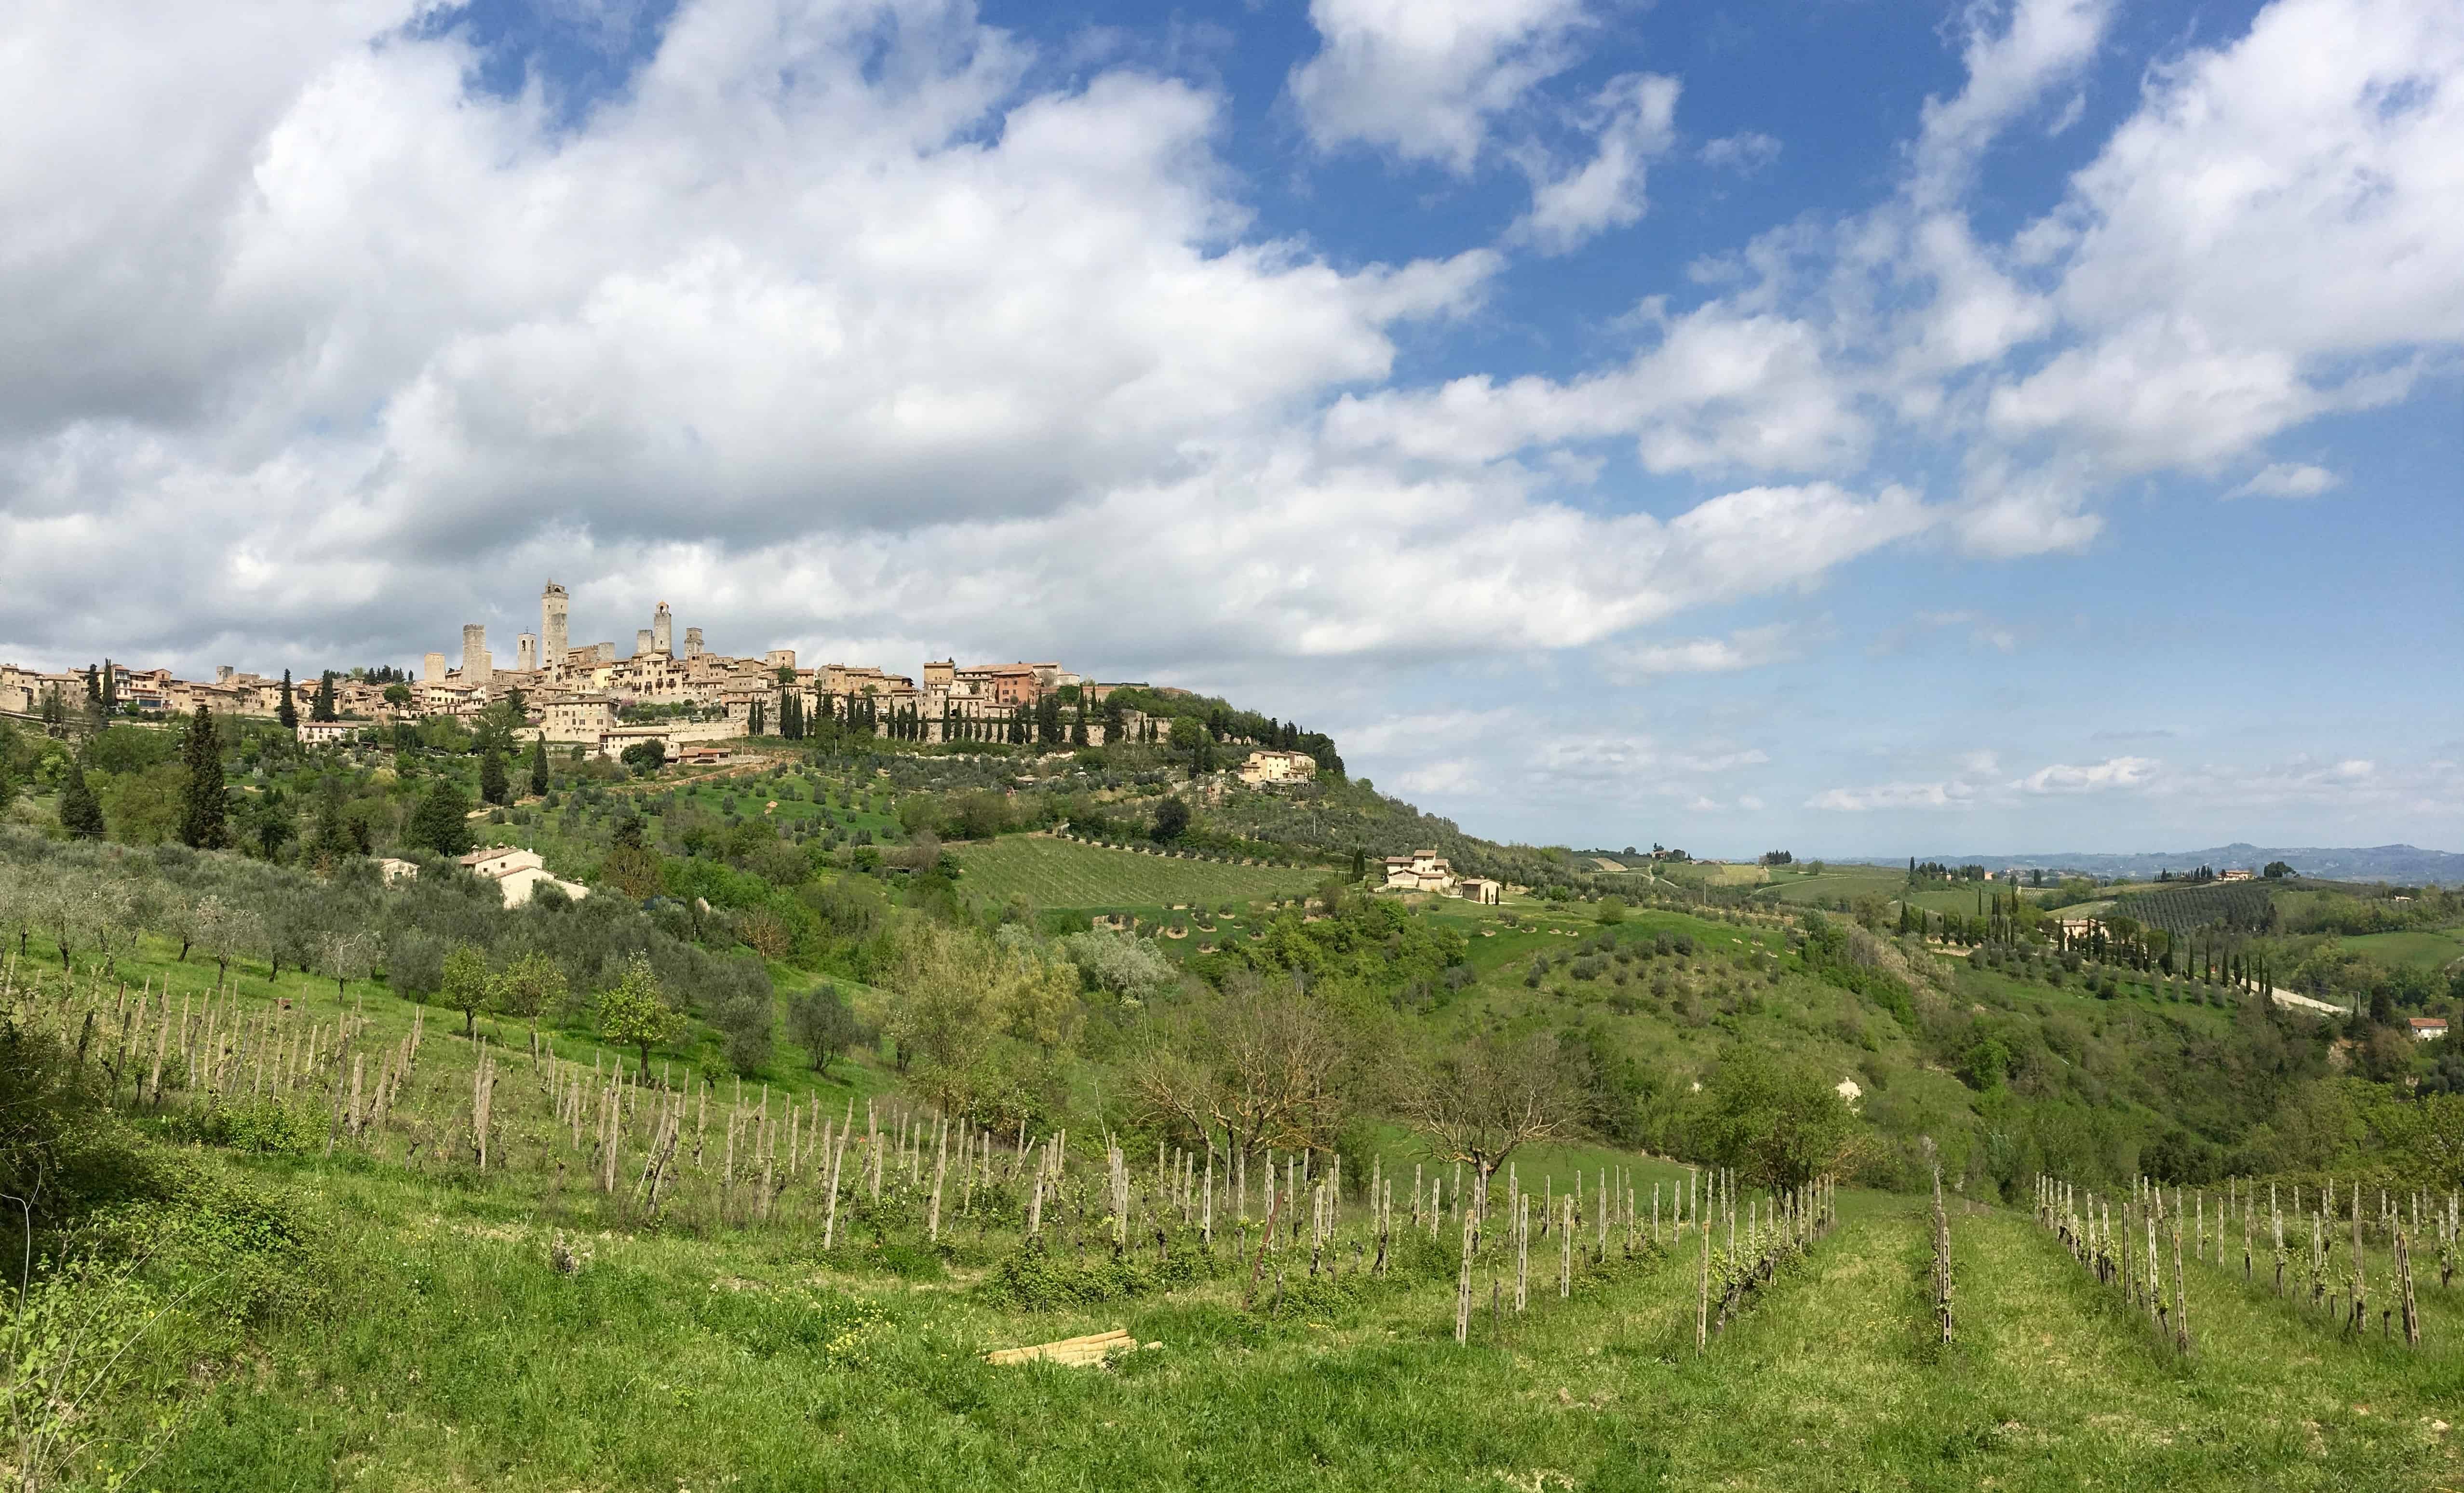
x=2239, y=905
x=480, y=1262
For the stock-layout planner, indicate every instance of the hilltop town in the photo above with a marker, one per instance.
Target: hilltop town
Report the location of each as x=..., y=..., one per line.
x=678, y=696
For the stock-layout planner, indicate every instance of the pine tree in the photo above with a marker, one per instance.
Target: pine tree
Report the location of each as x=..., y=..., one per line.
x=493, y=786
x=539, y=766
x=322, y=707
x=204, y=809
x=287, y=711
x=81, y=812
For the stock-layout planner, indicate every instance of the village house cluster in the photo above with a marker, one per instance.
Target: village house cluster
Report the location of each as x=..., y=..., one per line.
x=586, y=693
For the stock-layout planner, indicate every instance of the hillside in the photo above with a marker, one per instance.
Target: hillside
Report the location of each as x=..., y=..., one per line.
x=638, y=1190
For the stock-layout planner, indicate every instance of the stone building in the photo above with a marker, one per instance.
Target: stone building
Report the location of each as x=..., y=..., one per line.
x=1269, y=766
x=554, y=605
x=1421, y=871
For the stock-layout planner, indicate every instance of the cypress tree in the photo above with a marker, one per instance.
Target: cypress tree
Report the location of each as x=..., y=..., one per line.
x=439, y=823
x=204, y=810
x=493, y=786
x=93, y=685
x=81, y=812
x=287, y=713
x=110, y=689
x=539, y=766
x=322, y=707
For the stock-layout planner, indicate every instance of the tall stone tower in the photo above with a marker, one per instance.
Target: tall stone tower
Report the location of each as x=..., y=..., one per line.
x=641, y=642
x=663, y=631
x=433, y=668
x=552, y=641
x=526, y=652
x=474, y=655
x=692, y=642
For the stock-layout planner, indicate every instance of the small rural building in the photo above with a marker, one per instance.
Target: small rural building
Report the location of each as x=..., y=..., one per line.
x=327, y=732
x=1421, y=871
x=1481, y=889
x=517, y=872
x=1270, y=766
x=2429, y=1028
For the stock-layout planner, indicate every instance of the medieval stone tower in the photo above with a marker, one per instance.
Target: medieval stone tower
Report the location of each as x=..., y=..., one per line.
x=663, y=631
x=474, y=655
x=692, y=642
x=553, y=602
x=526, y=652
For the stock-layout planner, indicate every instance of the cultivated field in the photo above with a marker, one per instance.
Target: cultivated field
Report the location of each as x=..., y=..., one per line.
x=2424, y=948
x=1062, y=873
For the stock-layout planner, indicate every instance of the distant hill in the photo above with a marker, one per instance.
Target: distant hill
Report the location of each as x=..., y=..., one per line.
x=2390, y=862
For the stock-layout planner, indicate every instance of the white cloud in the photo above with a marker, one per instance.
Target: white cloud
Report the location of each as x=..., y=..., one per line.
x=1745, y=153
x=1942, y=795
x=2287, y=480
x=1748, y=647
x=1749, y=803
x=1721, y=388
x=1454, y=775
x=2114, y=772
x=1428, y=79
x=2039, y=45
x=2205, y=257
x=1632, y=122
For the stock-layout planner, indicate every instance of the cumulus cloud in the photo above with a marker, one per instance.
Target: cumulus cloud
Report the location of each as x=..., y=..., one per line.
x=1634, y=122
x=1428, y=79
x=2114, y=772
x=2288, y=479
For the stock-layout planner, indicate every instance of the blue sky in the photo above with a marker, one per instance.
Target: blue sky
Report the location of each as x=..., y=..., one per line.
x=1848, y=426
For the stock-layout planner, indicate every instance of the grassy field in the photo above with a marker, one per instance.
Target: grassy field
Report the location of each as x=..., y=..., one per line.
x=1062, y=873
x=744, y=1358
x=2424, y=948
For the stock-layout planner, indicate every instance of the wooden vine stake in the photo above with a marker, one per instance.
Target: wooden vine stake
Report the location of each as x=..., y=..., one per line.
x=1940, y=1258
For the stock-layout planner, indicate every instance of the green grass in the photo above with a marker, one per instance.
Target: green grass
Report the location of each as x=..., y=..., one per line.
x=1062, y=873
x=741, y=1358
x=2423, y=948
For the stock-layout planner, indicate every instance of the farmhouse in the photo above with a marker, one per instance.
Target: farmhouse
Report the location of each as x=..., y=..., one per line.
x=327, y=732
x=517, y=872
x=1269, y=766
x=2429, y=1028
x=1421, y=871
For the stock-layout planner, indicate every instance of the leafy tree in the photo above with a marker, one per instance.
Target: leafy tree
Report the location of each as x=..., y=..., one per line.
x=321, y=707
x=1780, y=1124
x=441, y=823
x=80, y=811
x=633, y=1013
x=397, y=695
x=270, y=824
x=1256, y=1065
x=287, y=711
x=539, y=766
x=2277, y=871
x=530, y=985
x=493, y=786
x=204, y=812
x=467, y=985
x=646, y=756
x=1612, y=910
x=1170, y=820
